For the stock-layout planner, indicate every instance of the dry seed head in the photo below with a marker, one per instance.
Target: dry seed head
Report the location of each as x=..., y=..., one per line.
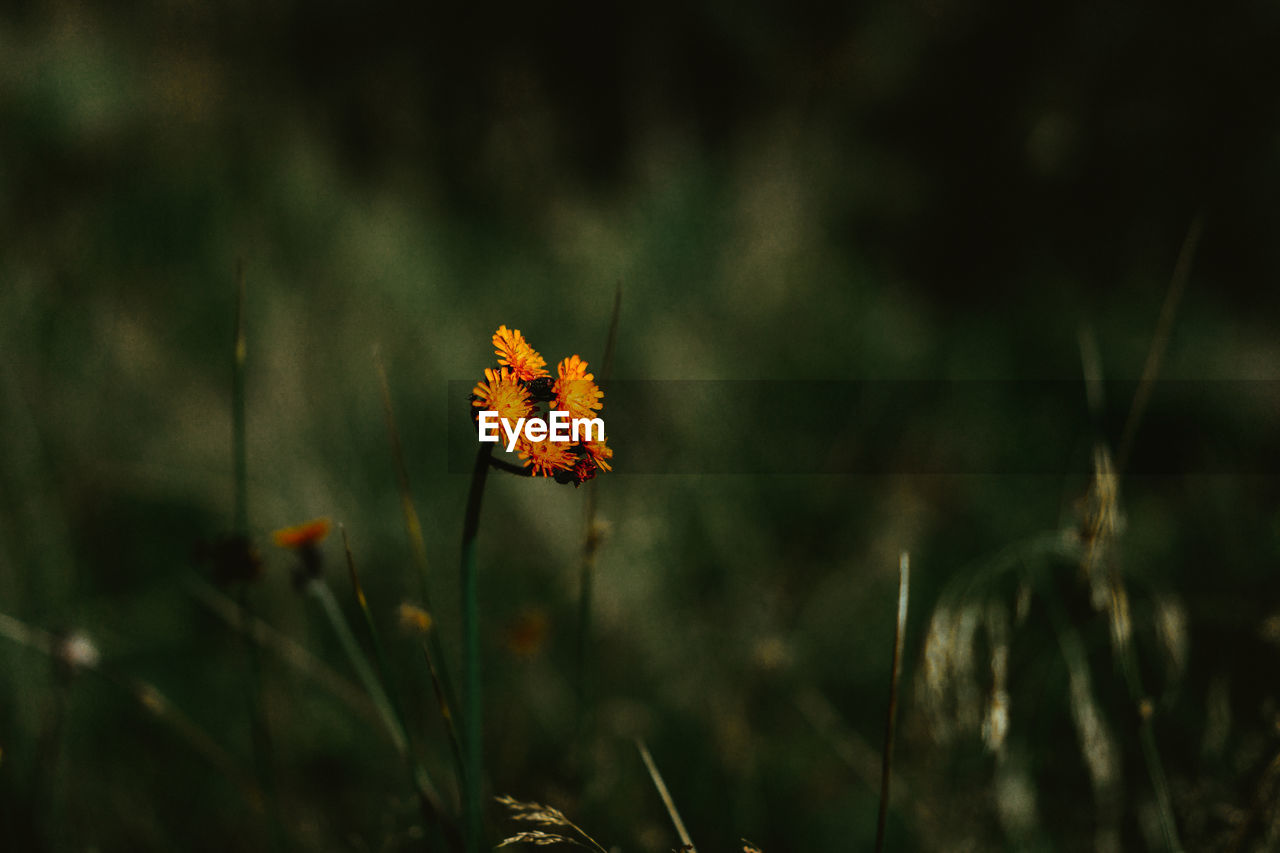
x=935, y=673
x=951, y=689
x=538, y=838
x=1269, y=630
x=1217, y=724
x=1015, y=799
x=968, y=696
x=152, y=699
x=545, y=815
x=1121, y=625
x=533, y=812
x=596, y=534
x=1100, y=754
x=78, y=652
x=1171, y=628
x=995, y=724
x=1022, y=606
x=1101, y=524
x=998, y=632
x=1102, y=505
x=772, y=654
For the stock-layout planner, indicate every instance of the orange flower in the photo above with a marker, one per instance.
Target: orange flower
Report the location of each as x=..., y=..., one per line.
x=576, y=391
x=519, y=388
x=573, y=367
x=513, y=351
x=302, y=535
x=546, y=457
x=504, y=394
x=527, y=633
x=600, y=453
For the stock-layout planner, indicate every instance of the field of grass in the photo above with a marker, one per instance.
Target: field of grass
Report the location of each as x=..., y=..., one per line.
x=987, y=286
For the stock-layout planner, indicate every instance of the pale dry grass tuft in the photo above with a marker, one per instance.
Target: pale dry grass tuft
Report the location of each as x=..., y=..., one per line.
x=538, y=838
x=547, y=817
x=1101, y=525
x=533, y=812
x=995, y=723
x=964, y=683
x=1098, y=746
x=950, y=685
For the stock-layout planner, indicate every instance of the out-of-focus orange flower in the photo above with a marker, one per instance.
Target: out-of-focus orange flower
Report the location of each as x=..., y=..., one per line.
x=302, y=535
x=545, y=457
x=527, y=633
x=514, y=352
x=504, y=394
x=576, y=390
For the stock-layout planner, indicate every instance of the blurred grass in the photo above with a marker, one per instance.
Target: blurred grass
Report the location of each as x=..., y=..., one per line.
x=928, y=193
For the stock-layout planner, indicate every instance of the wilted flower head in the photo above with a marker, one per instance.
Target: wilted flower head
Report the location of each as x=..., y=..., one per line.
x=234, y=559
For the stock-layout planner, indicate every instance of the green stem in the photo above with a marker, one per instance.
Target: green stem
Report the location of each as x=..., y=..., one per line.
x=413, y=528
x=262, y=746
x=428, y=796
x=239, y=453
x=586, y=581
x=146, y=695
x=1147, y=740
x=384, y=670
x=471, y=729
x=262, y=749
x=446, y=714
x=661, y=786
x=360, y=663
x=590, y=546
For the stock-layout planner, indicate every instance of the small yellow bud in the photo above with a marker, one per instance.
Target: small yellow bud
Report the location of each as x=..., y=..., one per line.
x=414, y=618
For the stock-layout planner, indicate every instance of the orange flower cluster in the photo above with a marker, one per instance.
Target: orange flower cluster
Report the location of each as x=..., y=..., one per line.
x=304, y=540
x=520, y=383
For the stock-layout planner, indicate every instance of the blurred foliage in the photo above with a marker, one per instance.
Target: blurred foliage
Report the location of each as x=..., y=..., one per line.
x=883, y=190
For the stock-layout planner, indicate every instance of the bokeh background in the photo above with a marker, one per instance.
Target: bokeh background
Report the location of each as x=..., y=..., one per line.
x=875, y=191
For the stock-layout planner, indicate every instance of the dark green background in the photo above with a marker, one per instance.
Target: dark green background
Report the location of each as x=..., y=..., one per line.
x=881, y=191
